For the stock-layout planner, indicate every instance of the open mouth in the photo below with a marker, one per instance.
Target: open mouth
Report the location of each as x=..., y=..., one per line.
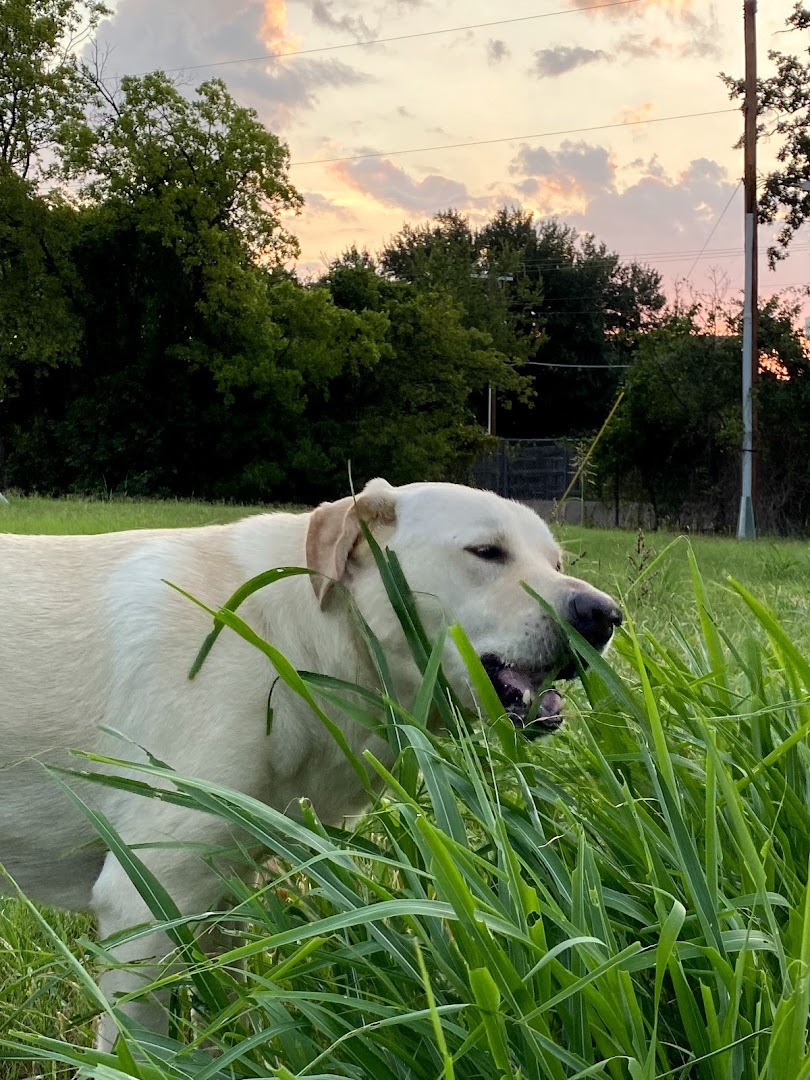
x=533, y=705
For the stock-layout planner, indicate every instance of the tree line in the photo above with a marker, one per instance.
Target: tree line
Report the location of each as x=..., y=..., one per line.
x=152, y=341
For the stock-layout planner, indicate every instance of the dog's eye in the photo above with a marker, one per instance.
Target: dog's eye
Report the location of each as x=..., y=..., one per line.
x=558, y=567
x=488, y=552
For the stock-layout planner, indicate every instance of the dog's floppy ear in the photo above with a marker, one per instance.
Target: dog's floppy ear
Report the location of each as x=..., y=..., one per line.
x=334, y=530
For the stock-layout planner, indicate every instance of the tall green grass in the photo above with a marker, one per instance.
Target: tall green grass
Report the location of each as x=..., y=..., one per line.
x=628, y=899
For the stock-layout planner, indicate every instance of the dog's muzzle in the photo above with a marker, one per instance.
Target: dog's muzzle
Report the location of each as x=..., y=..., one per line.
x=533, y=705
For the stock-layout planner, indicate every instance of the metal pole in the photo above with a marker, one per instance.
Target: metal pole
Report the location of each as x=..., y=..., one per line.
x=591, y=448
x=492, y=397
x=746, y=526
x=490, y=410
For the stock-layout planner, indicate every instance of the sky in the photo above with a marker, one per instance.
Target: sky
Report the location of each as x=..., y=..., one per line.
x=443, y=110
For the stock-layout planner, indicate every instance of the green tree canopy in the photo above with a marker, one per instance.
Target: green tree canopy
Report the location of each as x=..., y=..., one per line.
x=41, y=82
x=204, y=165
x=413, y=415
x=676, y=438
x=446, y=253
x=40, y=322
x=546, y=295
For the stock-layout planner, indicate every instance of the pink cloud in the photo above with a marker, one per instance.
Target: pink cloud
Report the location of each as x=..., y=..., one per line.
x=392, y=186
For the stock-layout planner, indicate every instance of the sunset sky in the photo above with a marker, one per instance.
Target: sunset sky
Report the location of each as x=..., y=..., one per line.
x=384, y=115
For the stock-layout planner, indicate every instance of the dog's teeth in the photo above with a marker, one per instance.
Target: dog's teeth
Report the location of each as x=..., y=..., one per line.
x=528, y=697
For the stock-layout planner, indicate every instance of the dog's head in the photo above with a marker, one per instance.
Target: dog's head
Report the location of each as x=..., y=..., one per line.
x=466, y=555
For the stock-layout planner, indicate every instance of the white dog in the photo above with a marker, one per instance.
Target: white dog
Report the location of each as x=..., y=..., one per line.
x=90, y=635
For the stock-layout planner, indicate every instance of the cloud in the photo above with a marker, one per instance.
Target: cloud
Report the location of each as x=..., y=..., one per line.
x=497, y=51
x=657, y=211
x=274, y=27
x=641, y=47
x=550, y=63
x=674, y=8
x=568, y=178
x=317, y=204
x=703, y=42
x=144, y=35
x=702, y=33
x=678, y=209
x=355, y=25
x=391, y=186
x=636, y=114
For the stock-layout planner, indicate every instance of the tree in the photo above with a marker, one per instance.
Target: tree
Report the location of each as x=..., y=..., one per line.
x=224, y=415
x=41, y=81
x=595, y=311
x=675, y=440
x=179, y=196
x=783, y=402
x=591, y=308
x=40, y=322
x=205, y=162
x=413, y=415
x=447, y=254
x=784, y=108
x=679, y=421
x=545, y=295
x=282, y=428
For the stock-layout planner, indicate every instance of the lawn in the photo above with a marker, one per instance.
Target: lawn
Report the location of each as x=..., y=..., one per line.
x=629, y=899
x=77, y=515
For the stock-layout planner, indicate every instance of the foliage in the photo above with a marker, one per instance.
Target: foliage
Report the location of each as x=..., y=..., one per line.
x=783, y=401
x=42, y=86
x=197, y=173
x=414, y=412
x=783, y=102
x=228, y=381
x=630, y=900
x=153, y=343
x=447, y=253
x=181, y=393
x=562, y=299
x=680, y=411
x=40, y=324
x=678, y=430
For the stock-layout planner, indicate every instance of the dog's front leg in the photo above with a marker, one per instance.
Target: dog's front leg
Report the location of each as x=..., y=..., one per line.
x=117, y=906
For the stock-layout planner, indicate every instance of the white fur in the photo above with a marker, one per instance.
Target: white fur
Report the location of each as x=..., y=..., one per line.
x=90, y=635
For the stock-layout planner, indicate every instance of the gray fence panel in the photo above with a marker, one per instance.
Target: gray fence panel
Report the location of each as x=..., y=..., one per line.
x=527, y=469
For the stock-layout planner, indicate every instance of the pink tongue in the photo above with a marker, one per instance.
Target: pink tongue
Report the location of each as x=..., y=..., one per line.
x=551, y=703
x=516, y=680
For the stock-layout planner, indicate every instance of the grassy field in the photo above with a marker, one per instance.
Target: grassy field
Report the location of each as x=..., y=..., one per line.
x=629, y=899
x=76, y=515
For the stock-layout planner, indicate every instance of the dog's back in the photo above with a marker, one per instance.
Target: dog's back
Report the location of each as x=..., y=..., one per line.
x=90, y=635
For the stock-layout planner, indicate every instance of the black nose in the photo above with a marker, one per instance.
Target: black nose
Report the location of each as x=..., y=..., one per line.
x=594, y=616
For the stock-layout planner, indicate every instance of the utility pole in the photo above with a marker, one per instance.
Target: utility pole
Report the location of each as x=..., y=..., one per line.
x=492, y=400
x=746, y=527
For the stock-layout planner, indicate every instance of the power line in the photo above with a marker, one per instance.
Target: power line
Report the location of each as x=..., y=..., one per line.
x=512, y=138
x=714, y=229
x=666, y=257
x=379, y=41
x=578, y=367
